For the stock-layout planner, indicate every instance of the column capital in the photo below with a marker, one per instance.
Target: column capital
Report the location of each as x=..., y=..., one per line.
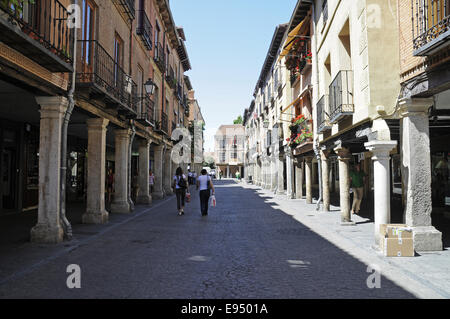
x=123, y=133
x=145, y=142
x=411, y=106
x=380, y=149
x=52, y=101
x=343, y=153
x=324, y=154
x=308, y=159
x=97, y=123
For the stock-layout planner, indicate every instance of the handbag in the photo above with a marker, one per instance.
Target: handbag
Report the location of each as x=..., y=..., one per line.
x=212, y=201
x=188, y=197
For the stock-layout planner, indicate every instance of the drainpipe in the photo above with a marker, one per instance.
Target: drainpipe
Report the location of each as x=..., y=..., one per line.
x=62, y=212
x=130, y=156
x=316, y=141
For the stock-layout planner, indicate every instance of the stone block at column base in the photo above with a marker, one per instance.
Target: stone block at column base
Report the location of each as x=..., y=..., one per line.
x=168, y=192
x=281, y=192
x=157, y=195
x=95, y=217
x=427, y=238
x=144, y=200
x=348, y=223
x=44, y=234
x=122, y=207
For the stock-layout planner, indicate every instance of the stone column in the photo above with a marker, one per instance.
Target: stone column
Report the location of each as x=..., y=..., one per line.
x=158, y=192
x=273, y=175
x=122, y=143
x=416, y=173
x=144, y=196
x=308, y=179
x=344, y=184
x=382, y=183
x=48, y=228
x=290, y=174
x=280, y=171
x=96, y=159
x=168, y=174
x=325, y=180
x=299, y=169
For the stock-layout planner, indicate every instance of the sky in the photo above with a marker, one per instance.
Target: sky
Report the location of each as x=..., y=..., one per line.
x=227, y=43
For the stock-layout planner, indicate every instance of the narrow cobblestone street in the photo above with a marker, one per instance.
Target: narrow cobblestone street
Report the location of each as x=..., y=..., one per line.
x=244, y=248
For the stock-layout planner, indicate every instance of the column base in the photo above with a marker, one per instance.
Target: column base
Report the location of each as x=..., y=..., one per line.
x=168, y=192
x=157, y=195
x=281, y=192
x=122, y=207
x=45, y=234
x=144, y=200
x=427, y=238
x=95, y=217
x=350, y=223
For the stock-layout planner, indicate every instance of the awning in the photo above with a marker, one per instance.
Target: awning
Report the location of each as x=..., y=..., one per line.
x=290, y=40
x=287, y=107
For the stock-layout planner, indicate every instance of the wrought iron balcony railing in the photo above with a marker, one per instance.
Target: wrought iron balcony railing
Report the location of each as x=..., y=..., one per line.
x=160, y=57
x=163, y=123
x=38, y=30
x=144, y=29
x=323, y=114
x=146, y=112
x=105, y=79
x=128, y=6
x=430, y=25
x=170, y=78
x=179, y=92
x=341, y=96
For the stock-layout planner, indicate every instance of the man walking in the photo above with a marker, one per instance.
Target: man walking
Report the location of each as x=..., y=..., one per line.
x=357, y=178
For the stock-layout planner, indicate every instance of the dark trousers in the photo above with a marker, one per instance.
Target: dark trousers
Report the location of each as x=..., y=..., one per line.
x=204, y=201
x=181, y=194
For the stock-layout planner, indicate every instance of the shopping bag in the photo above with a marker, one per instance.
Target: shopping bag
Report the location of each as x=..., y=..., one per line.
x=212, y=201
x=188, y=197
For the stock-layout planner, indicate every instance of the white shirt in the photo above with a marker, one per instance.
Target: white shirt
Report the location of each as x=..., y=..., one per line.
x=176, y=179
x=203, y=181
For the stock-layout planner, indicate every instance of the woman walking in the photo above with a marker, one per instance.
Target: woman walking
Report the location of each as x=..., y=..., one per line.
x=180, y=184
x=204, y=184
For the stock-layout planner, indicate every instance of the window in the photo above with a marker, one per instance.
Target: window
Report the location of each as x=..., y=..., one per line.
x=87, y=32
x=325, y=11
x=157, y=32
x=140, y=84
x=118, y=59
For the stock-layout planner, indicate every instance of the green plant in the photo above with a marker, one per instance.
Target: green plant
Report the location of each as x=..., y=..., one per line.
x=15, y=6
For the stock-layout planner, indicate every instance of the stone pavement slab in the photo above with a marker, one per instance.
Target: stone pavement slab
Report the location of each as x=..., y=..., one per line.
x=427, y=275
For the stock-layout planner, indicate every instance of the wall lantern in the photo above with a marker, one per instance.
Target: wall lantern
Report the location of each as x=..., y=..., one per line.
x=149, y=87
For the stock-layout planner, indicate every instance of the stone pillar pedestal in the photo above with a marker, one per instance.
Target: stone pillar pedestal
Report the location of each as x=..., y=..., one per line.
x=280, y=178
x=290, y=175
x=144, y=196
x=122, y=143
x=158, y=192
x=168, y=174
x=382, y=183
x=308, y=177
x=96, y=159
x=325, y=180
x=344, y=185
x=48, y=229
x=416, y=173
x=299, y=169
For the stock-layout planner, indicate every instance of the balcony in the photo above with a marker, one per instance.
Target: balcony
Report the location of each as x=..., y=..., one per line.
x=163, y=125
x=146, y=115
x=431, y=26
x=144, y=29
x=160, y=57
x=323, y=114
x=170, y=78
x=128, y=7
x=341, y=96
x=105, y=80
x=38, y=31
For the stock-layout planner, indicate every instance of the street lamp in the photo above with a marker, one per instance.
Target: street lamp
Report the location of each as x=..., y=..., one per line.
x=149, y=87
